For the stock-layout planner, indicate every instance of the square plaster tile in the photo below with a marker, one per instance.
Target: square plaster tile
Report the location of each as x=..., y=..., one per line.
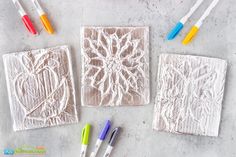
x=115, y=66
x=189, y=94
x=40, y=88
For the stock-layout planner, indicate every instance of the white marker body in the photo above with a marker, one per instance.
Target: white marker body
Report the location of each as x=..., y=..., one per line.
x=206, y=13
x=38, y=7
x=19, y=8
x=108, y=151
x=191, y=11
x=97, y=146
x=83, y=150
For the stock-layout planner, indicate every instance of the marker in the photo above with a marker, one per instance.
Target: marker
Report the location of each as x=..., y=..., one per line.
x=112, y=141
x=101, y=138
x=85, y=140
x=179, y=26
x=25, y=18
x=192, y=33
x=43, y=17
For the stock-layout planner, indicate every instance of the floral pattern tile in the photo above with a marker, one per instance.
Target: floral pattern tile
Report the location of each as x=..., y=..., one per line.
x=189, y=94
x=115, y=66
x=40, y=88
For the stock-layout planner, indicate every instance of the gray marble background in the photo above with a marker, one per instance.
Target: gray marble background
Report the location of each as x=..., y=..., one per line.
x=217, y=38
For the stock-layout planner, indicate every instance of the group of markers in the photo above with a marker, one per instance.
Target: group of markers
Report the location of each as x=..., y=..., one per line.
x=174, y=32
x=179, y=26
x=26, y=20
x=102, y=136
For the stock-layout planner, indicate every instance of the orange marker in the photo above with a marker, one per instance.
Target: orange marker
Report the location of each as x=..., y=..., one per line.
x=43, y=17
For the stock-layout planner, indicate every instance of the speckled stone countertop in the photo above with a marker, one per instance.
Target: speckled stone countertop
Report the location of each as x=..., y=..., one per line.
x=217, y=38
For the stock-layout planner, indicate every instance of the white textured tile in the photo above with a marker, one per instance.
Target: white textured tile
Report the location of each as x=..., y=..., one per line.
x=115, y=66
x=40, y=88
x=189, y=94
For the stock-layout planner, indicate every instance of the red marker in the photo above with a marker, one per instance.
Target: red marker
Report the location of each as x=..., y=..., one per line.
x=25, y=18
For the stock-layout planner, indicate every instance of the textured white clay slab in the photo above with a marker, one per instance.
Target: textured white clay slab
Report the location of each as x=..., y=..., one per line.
x=115, y=66
x=40, y=88
x=189, y=94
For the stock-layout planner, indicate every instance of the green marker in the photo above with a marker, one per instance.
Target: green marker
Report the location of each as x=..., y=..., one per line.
x=85, y=140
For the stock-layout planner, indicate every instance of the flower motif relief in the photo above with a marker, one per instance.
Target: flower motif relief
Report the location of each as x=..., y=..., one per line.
x=115, y=66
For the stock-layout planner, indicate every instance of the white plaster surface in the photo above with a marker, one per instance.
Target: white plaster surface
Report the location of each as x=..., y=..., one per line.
x=216, y=38
x=190, y=91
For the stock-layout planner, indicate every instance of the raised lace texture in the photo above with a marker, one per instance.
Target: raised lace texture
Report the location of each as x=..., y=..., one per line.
x=189, y=94
x=115, y=66
x=40, y=87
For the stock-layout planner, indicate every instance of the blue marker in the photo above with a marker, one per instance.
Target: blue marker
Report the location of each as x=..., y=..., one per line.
x=101, y=138
x=179, y=26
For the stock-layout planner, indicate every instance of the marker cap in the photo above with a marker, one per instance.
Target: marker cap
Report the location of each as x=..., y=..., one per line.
x=46, y=23
x=105, y=130
x=26, y=20
x=175, y=31
x=190, y=35
x=85, y=134
x=114, y=136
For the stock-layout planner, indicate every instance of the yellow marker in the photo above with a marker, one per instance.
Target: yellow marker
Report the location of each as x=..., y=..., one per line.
x=43, y=17
x=190, y=35
x=196, y=27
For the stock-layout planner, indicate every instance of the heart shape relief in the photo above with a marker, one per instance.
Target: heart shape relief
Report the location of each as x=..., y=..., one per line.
x=42, y=95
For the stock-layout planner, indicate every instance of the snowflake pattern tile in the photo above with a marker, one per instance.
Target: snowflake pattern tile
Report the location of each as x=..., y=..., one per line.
x=189, y=94
x=115, y=66
x=40, y=88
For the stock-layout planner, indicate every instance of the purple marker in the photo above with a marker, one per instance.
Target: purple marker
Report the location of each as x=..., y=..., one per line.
x=112, y=141
x=101, y=138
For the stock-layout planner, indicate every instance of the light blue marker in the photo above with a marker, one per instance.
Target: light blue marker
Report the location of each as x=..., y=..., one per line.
x=179, y=26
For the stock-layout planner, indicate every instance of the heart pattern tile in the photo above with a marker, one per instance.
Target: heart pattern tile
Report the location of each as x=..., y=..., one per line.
x=40, y=88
